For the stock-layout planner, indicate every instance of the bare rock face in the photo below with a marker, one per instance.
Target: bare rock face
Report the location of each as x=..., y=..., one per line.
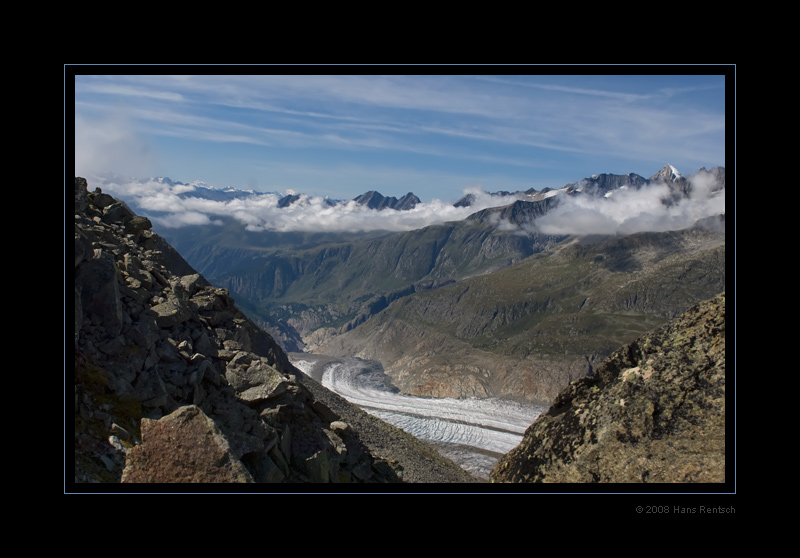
x=653, y=412
x=185, y=446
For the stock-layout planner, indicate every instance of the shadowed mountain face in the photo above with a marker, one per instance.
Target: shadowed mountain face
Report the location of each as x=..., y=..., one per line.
x=375, y=200
x=653, y=412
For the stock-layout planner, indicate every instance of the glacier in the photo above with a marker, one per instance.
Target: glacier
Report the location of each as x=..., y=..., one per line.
x=472, y=432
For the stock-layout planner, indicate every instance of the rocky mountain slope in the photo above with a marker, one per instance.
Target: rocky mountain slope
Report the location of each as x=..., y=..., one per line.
x=173, y=383
x=654, y=412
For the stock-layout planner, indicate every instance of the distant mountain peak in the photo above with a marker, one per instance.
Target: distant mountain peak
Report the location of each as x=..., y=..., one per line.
x=601, y=184
x=667, y=174
x=376, y=200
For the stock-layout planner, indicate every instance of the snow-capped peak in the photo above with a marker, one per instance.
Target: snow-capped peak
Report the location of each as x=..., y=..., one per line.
x=667, y=174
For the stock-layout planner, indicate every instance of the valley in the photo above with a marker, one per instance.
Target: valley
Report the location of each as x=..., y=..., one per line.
x=462, y=332
x=527, y=330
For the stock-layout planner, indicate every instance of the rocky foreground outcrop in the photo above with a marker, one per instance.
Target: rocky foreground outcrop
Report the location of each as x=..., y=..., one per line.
x=653, y=412
x=174, y=384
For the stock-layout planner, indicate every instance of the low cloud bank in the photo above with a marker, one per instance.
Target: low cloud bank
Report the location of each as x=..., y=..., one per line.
x=623, y=211
x=163, y=203
x=628, y=211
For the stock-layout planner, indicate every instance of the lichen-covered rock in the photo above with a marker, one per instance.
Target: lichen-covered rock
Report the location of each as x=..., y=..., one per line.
x=653, y=412
x=183, y=447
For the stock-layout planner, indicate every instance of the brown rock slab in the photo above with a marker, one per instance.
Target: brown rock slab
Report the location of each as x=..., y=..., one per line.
x=183, y=447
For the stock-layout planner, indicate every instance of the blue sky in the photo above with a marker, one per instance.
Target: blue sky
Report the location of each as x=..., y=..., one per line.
x=434, y=135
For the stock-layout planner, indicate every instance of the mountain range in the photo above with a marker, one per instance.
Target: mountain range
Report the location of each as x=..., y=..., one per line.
x=493, y=304
x=488, y=305
x=202, y=190
x=596, y=184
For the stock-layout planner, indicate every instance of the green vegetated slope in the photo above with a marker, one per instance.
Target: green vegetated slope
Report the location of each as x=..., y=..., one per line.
x=527, y=330
x=229, y=249
x=311, y=282
x=481, y=307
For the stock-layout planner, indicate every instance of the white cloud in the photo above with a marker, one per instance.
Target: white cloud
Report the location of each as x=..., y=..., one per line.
x=110, y=143
x=192, y=218
x=260, y=212
x=624, y=211
x=628, y=211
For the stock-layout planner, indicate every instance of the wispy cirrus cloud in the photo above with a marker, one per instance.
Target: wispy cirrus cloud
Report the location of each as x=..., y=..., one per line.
x=539, y=130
